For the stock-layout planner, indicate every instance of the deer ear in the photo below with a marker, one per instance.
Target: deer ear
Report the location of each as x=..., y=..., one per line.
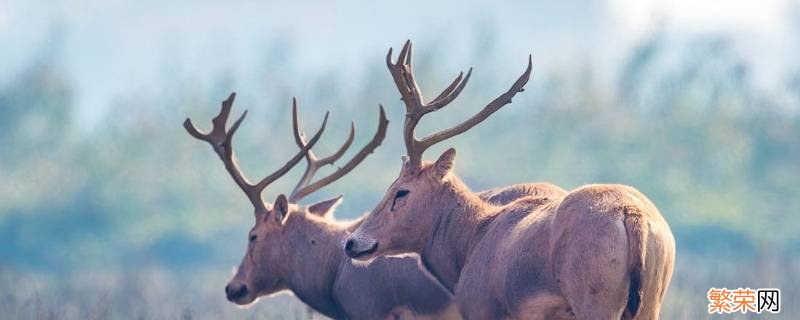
x=280, y=210
x=325, y=208
x=445, y=163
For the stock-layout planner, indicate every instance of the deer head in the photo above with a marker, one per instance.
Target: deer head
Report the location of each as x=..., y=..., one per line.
x=283, y=231
x=405, y=216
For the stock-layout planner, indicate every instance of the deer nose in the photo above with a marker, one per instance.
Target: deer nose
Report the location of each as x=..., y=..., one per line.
x=234, y=292
x=359, y=248
x=348, y=246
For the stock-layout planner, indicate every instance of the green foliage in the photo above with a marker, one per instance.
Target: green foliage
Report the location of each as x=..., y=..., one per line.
x=718, y=155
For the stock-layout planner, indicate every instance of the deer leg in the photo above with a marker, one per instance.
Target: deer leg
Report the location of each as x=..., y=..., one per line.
x=591, y=268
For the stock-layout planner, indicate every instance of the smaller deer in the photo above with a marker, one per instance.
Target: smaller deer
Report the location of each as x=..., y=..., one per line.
x=297, y=248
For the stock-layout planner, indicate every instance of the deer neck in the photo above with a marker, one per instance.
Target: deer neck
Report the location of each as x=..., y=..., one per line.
x=463, y=218
x=314, y=276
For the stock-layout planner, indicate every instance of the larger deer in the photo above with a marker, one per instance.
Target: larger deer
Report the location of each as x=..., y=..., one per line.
x=297, y=248
x=599, y=252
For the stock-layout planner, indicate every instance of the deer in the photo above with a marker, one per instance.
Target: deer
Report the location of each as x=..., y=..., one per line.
x=297, y=248
x=600, y=251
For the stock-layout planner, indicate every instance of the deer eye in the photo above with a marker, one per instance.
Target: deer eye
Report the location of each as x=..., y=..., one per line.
x=400, y=194
x=253, y=238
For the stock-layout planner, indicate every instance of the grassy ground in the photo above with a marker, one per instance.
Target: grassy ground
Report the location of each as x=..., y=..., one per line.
x=145, y=294
x=694, y=275
x=155, y=293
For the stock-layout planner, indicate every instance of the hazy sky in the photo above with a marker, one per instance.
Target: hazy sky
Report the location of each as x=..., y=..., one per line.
x=118, y=47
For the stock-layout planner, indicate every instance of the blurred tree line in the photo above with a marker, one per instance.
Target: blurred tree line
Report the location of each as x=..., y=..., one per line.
x=717, y=154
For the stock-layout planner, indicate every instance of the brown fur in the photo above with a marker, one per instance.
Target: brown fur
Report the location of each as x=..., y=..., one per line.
x=505, y=195
x=583, y=246
x=637, y=238
x=387, y=287
x=299, y=251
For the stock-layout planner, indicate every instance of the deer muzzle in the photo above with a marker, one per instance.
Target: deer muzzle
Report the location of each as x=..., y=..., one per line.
x=236, y=292
x=357, y=247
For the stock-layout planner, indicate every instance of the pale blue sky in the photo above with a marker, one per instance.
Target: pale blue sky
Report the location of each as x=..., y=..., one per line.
x=113, y=48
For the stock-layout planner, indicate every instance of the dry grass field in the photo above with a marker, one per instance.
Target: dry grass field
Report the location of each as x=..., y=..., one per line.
x=153, y=293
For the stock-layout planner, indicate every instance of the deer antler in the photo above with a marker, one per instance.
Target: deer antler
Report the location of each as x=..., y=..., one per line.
x=403, y=75
x=221, y=141
x=304, y=186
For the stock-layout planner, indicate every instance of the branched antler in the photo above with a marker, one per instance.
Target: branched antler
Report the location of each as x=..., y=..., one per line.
x=221, y=140
x=305, y=186
x=403, y=75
